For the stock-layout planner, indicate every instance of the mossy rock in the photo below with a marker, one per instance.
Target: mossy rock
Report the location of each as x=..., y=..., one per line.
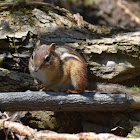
x=135, y=133
x=41, y=120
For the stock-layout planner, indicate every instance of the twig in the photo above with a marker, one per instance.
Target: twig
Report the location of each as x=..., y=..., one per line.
x=38, y=135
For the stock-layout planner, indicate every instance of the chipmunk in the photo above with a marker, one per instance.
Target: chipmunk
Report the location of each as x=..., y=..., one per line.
x=58, y=68
x=62, y=68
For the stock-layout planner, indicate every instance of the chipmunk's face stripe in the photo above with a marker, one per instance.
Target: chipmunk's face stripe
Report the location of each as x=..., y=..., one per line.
x=67, y=56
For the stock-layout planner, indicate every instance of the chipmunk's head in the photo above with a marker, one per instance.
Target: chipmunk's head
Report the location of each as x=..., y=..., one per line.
x=42, y=56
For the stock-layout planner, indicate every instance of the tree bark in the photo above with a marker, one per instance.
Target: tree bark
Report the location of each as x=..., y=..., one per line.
x=61, y=101
x=110, y=56
x=15, y=81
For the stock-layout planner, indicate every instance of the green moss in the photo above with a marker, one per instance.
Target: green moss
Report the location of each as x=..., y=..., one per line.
x=103, y=29
x=122, y=48
x=22, y=0
x=1, y=60
x=135, y=133
x=19, y=12
x=89, y=2
x=40, y=120
x=135, y=87
x=45, y=9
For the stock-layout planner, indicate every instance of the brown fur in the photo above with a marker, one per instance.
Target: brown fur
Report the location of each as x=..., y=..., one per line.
x=112, y=88
x=66, y=69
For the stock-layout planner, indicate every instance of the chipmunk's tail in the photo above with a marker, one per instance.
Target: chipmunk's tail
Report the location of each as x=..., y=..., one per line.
x=112, y=88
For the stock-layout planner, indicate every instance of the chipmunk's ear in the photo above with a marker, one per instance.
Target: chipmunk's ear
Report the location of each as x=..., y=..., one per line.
x=52, y=47
x=38, y=43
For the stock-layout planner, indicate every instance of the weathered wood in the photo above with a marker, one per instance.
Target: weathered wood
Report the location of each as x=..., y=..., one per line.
x=136, y=101
x=60, y=101
x=110, y=57
x=15, y=81
x=51, y=135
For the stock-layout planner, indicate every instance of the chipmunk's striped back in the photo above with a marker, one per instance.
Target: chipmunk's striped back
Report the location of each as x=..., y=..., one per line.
x=58, y=68
x=66, y=54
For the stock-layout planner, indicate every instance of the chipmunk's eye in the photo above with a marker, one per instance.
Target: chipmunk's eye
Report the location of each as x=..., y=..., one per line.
x=32, y=56
x=47, y=58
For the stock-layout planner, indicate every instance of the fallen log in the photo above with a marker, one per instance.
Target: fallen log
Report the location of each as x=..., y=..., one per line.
x=61, y=101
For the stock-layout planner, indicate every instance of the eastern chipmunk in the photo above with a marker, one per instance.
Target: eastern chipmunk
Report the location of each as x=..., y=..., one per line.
x=61, y=68
x=58, y=68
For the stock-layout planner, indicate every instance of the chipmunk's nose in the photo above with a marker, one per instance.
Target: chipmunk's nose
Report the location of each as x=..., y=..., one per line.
x=35, y=68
